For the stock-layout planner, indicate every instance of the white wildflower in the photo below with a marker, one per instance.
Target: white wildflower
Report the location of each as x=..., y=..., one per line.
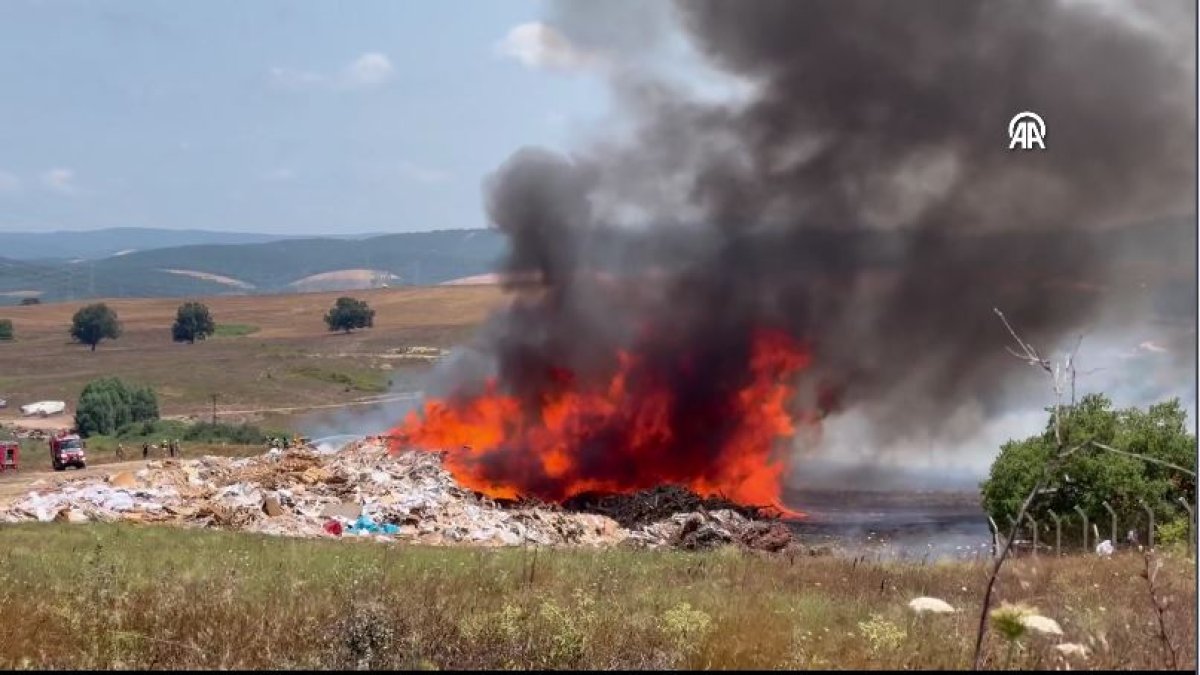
x=1072, y=649
x=926, y=604
x=1041, y=624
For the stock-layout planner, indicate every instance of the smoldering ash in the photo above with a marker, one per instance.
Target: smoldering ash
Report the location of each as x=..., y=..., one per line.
x=688, y=296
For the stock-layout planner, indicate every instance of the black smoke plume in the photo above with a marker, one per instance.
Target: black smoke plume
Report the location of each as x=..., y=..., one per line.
x=861, y=197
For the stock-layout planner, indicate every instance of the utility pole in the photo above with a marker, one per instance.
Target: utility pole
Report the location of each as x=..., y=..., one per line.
x=214, y=409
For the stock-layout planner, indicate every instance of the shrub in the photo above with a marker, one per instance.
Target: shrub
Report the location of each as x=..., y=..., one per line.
x=6, y=329
x=108, y=404
x=1091, y=475
x=348, y=314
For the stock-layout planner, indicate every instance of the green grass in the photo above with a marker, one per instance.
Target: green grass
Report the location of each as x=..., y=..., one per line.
x=255, y=601
x=233, y=330
x=368, y=381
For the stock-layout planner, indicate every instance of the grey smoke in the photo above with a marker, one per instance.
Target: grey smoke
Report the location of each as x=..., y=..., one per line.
x=863, y=199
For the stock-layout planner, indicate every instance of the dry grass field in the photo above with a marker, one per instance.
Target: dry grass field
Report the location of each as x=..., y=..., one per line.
x=107, y=596
x=271, y=350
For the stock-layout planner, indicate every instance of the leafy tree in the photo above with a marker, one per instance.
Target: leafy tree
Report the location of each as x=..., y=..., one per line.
x=6, y=329
x=94, y=323
x=108, y=404
x=1091, y=475
x=192, y=322
x=30, y=301
x=348, y=314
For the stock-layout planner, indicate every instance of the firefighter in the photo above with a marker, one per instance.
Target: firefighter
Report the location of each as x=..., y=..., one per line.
x=146, y=450
x=120, y=451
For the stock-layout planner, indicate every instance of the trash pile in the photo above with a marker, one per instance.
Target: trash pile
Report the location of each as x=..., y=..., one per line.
x=361, y=491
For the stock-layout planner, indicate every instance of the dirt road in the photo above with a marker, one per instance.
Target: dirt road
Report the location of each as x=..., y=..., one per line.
x=57, y=422
x=14, y=484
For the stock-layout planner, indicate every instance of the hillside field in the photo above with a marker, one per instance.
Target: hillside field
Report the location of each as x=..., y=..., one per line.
x=270, y=351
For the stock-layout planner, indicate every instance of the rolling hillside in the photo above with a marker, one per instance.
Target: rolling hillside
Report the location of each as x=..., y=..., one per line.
x=279, y=266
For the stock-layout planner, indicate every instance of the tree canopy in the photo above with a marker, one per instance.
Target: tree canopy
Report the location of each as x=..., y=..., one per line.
x=1092, y=475
x=192, y=322
x=107, y=404
x=348, y=314
x=94, y=323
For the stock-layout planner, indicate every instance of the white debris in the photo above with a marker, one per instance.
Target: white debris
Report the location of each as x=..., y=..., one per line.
x=1072, y=649
x=927, y=604
x=1041, y=624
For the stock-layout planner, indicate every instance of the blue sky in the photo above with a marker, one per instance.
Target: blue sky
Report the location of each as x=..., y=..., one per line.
x=272, y=116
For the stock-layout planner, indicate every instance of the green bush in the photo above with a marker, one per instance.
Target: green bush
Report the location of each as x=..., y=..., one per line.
x=6, y=329
x=348, y=314
x=108, y=404
x=1172, y=532
x=1091, y=475
x=202, y=432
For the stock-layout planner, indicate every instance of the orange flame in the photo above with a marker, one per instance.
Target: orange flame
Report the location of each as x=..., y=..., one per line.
x=620, y=437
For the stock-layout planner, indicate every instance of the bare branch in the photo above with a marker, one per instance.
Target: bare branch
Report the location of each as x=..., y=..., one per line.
x=1153, y=564
x=1144, y=458
x=1030, y=354
x=1059, y=373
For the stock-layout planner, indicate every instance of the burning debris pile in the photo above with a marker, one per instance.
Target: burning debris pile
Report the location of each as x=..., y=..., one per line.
x=361, y=491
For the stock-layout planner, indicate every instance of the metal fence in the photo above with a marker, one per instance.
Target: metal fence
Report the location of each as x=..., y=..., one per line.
x=1027, y=537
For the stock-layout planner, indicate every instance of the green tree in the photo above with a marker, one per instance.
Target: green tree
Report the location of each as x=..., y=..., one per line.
x=1091, y=475
x=94, y=323
x=192, y=322
x=107, y=404
x=6, y=329
x=348, y=314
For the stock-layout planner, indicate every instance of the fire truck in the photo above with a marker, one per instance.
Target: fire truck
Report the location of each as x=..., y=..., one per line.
x=66, y=449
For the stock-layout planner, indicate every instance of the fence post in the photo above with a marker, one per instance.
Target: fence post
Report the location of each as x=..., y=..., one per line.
x=1057, y=532
x=995, y=537
x=1150, y=527
x=1034, y=523
x=1085, y=527
x=1191, y=525
x=1016, y=533
x=1113, y=515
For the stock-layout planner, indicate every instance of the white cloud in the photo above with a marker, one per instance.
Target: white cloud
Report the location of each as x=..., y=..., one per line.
x=423, y=174
x=538, y=45
x=9, y=182
x=59, y=180
x=1151, y=346
x=371, y=69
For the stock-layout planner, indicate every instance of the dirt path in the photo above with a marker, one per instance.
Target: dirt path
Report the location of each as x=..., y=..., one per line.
x=407, y=396
x=16, y=483
x=57, y=422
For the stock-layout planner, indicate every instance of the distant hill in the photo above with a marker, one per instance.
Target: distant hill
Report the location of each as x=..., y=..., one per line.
x=119, y=240
x=422, y=258
x=1158, y=253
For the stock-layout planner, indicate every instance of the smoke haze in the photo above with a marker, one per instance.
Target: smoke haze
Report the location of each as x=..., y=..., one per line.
x=860, y=197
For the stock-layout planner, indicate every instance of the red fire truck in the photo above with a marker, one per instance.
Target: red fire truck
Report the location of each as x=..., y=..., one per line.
x=10, y=455
x=67, y=450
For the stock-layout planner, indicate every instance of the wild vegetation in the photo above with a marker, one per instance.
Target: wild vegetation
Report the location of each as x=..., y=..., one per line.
x=262, y=602
x=109, y=404
x=94, y=323
x=1092, y=476
x=192, y=322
